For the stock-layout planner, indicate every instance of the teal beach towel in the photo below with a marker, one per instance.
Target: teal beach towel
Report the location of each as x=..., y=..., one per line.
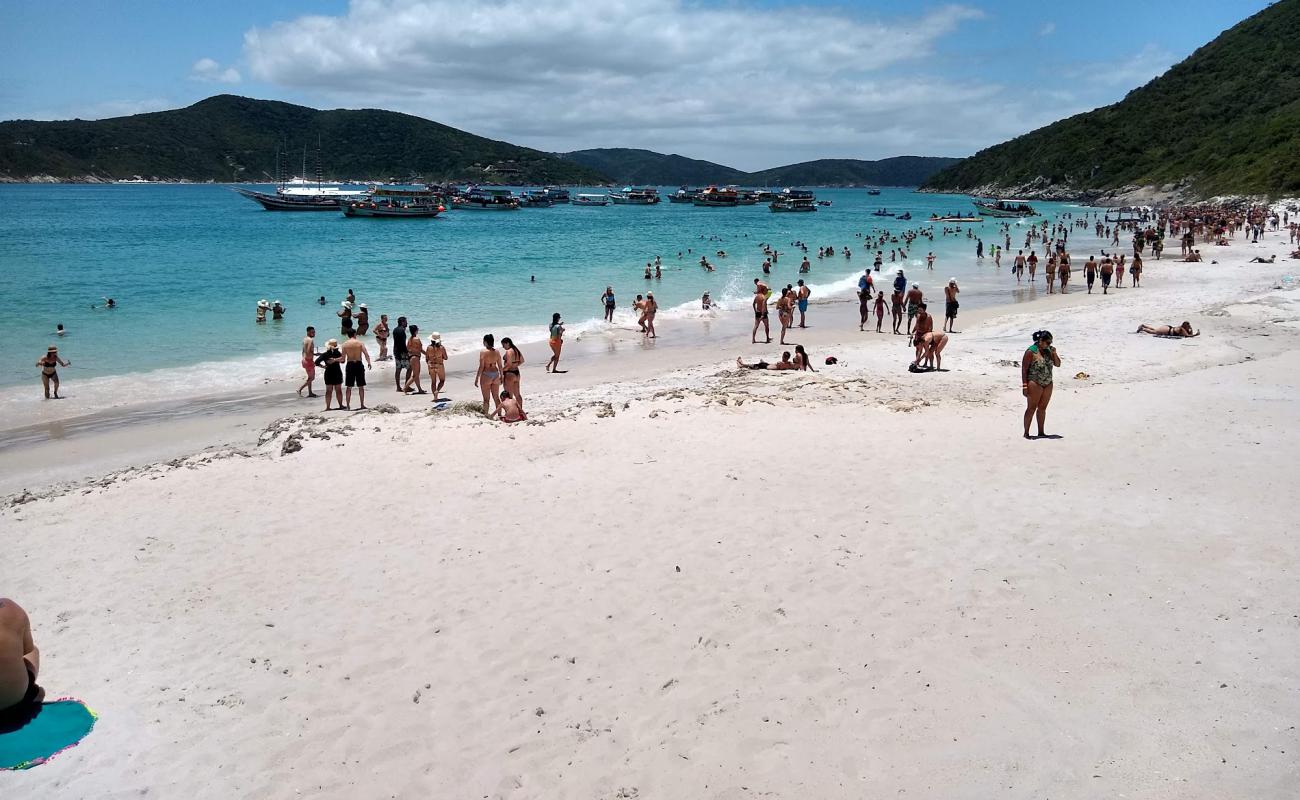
x=55, y=727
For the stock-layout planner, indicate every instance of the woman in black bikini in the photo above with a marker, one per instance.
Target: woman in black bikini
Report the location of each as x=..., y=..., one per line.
x=49, y=365
x=510, y=376
x=1183, y=331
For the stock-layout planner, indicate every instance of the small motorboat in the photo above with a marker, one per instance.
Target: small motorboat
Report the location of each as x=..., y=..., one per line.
x=882, y=213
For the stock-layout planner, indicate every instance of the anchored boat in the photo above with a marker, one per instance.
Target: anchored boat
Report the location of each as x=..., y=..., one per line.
x=591, y=200
x=390, y=203
x=300, y=194
x=1006, y=208
x=713, y=197
x=535, y=198
x=646, y=196
x=485, y=200
x=794, y=200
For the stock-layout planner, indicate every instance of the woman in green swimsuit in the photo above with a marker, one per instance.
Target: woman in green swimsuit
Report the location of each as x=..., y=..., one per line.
x=1036, y=378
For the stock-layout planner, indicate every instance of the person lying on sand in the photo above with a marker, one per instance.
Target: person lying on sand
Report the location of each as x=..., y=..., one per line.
x=1195, y=255
x=1258, y=260
x=20, y=662
x=784, y=363
x=1179, y=331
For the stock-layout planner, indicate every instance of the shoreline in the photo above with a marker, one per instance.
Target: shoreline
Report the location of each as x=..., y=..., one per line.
x=265, y=379
x=75, y=448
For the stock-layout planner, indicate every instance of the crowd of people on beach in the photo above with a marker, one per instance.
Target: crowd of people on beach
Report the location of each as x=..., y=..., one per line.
x=345, y=360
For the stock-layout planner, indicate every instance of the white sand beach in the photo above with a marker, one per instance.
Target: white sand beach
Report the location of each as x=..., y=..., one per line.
x=681, y=580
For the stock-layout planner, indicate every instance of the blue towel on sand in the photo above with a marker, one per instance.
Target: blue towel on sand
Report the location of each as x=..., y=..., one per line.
x=53, y=728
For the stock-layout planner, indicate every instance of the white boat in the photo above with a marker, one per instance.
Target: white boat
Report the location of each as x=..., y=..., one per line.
x=591, y=200
x=647, y=196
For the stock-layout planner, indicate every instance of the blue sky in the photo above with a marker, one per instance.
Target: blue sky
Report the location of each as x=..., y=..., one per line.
x=751, y=83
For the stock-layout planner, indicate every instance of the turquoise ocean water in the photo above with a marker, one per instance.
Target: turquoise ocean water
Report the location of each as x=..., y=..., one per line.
x=188, y=263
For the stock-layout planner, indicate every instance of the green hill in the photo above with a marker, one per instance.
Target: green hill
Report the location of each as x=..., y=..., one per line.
x=897, y=171
x=228, y=138
x=646, y=167
x=1224, y=121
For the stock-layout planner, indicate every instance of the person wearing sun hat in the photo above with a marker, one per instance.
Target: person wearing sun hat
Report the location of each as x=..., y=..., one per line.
x=436, y=356
x=277, y=310
x=345, y=317
x=49, y=364
x=363, y=320
x=262, y=308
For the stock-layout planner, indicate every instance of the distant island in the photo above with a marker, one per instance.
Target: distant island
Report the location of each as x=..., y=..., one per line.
x=630, y=166
x=229, y=138
x=235, y=139
x=1225, y=121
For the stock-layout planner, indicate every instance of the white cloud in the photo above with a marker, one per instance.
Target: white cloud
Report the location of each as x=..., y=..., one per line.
x=1048, y=29
x=209, y=71
x=1132, y=71
x=739, y=83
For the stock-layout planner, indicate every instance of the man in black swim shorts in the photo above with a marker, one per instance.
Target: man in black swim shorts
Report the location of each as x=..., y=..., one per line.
x=354, y=374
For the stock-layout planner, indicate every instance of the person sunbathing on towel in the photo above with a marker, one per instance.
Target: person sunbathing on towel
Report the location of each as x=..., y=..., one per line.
x=1258, y=260
x=1179, y=331
x=20, y=661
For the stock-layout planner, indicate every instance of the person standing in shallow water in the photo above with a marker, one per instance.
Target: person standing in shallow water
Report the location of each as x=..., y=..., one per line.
x=49, y=364
x=381, y=337
x=606, y=299
x=1036, y=378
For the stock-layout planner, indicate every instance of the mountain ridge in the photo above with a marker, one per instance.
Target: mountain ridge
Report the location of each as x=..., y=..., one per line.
x=647, y=167
x=233, y=138
x=1224, y=121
